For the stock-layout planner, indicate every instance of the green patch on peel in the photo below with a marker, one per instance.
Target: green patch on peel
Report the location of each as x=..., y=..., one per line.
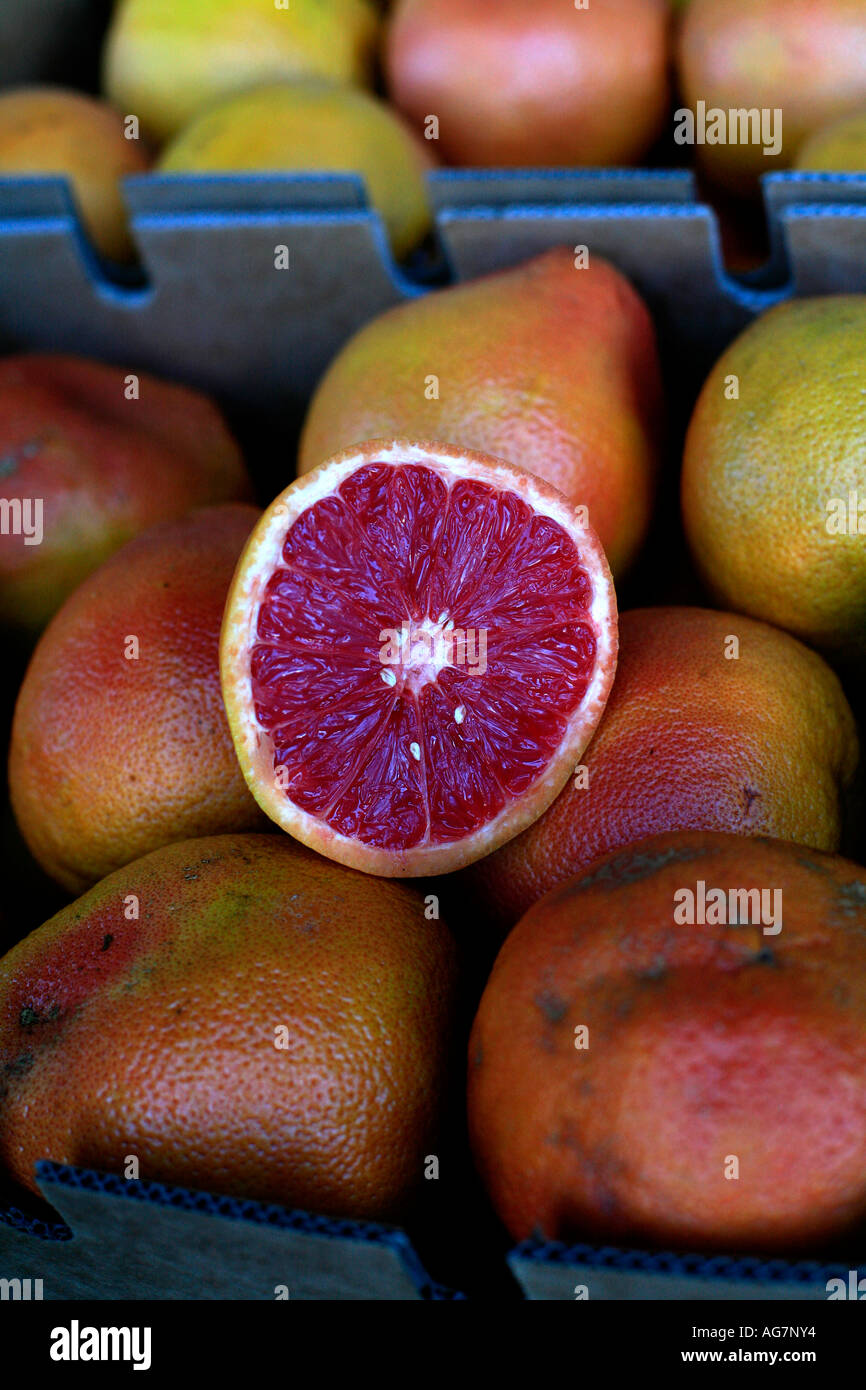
x=632, y=867
x=551, y=1006
x=852, y=897
x=28, y=1018
x=9, y=462
x=655, y=972
x=19, y=1066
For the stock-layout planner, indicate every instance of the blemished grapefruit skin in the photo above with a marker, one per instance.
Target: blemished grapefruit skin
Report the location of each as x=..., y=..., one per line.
x=119, y=741
x=805, y=58
x=269, y=1026
x=552, y=367
x=103, y=465
x=534, y=85
x=717, y=1099
x=692, y=738
x=774, y=481
x=380, y=751
x=167, y=60
x=49, y=130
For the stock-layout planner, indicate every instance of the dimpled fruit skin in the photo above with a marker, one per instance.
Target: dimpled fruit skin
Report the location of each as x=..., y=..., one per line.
x=157, y=1036
x=112, y=757
x=550, y=367
x=704, y=1042
x=321, y=127
x=806, y=58
x=105, y=466
x=765, y=744
x=532, y=84
x=46, y=130
x=167, y=60
x=759, y=472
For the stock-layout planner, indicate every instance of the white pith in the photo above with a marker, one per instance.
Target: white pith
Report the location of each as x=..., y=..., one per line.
x=424, y=649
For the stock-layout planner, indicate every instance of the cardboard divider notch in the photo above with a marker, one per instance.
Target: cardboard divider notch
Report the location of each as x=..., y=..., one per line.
x=148, y=1240
x=553, y=1272
x=220, y=306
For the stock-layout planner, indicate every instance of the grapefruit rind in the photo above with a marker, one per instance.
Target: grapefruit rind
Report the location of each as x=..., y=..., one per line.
x=262, y=555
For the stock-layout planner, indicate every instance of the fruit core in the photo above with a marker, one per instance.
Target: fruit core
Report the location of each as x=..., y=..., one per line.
x=420, y=648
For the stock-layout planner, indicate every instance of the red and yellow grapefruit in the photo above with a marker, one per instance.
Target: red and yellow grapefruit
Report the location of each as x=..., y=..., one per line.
x=546, y=83
x=119, y=741
x=269, y=1026
x=641, y=1078
x=103, y=465
x=551, y=364
x=803, y=62
x=715, y=722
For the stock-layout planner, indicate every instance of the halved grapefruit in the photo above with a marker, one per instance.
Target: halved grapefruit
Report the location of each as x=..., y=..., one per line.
x=417, y=646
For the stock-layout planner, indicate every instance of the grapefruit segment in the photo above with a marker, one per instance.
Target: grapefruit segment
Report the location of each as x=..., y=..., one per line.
x=417, y=646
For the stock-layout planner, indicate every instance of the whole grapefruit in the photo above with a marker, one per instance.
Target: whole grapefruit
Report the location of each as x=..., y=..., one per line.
x=541, y=84
x=803, y=58
x=774, y=473
x=168, y=60
x=85, y=466
x=550, y=366
x=671, y=1051
x=715, y=722
x=119, y=741
x=321, y=127
x=241, y=1016
x=49, y=130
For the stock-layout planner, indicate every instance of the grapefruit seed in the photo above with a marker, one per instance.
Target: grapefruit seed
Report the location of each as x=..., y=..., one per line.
x=417, y=646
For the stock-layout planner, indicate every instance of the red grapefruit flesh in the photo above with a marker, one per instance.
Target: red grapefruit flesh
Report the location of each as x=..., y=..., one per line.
x=417, y=646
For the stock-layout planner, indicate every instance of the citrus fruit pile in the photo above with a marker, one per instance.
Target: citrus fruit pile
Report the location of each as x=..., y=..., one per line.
x=423, y=738
x=484, y=812
x=387, y=93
